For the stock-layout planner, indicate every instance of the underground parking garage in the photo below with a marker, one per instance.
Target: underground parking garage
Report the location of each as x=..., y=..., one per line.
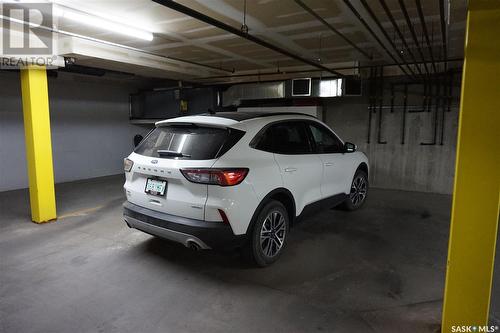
x=249, y=166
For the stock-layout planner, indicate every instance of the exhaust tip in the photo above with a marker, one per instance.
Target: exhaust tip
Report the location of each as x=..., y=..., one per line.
x=193, y=246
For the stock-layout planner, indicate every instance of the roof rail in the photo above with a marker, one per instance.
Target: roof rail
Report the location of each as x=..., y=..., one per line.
x=246, y=115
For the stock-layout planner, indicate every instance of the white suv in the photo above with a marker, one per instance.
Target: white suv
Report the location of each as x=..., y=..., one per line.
x=239, y=179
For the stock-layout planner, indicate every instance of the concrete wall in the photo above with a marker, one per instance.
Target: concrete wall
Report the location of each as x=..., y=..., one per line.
x=410, y=166
x=91, y=133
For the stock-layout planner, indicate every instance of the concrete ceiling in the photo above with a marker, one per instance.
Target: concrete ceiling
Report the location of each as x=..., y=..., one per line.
x=281, y=22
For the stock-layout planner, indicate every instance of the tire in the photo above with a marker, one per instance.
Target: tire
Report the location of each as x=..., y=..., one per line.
x=359, y=191
x=274, y=223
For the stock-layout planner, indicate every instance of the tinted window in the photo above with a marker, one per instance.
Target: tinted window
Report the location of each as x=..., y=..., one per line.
x=285, y=138
x=185, y=142
x=326, y=142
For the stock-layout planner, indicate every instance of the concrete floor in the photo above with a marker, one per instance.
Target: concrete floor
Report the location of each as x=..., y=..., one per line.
x=380, y=269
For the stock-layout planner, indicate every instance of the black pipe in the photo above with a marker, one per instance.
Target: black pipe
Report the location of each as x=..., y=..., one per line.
x=424, y=99
x=429, y=96
x=443, y=31
x=221, y=25
x=426, y=33
x=443, y=106
x=332, y=28
x=374, y=35
x=381, y=103
x=450, y=92
x=398, y=31
x=392, y=97
x=403, y=120
x=406, y=84
x=413, y=33
x=437, y=101
x=312, y=70
x=384, y=32
x=370, y=98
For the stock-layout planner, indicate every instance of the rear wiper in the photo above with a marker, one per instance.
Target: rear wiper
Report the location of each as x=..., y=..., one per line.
x=163, y=152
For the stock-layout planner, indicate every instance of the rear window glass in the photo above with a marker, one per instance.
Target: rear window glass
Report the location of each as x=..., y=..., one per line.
x=184, y=142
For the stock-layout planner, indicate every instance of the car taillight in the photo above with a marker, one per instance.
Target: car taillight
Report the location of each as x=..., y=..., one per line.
x=127, y=164
x=222, y=177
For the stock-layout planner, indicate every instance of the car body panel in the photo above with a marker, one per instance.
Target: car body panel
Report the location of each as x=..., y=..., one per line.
x=181, y=198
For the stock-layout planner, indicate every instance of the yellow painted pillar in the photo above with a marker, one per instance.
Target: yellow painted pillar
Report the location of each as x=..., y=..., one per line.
x=476, y=197
x=38, y=143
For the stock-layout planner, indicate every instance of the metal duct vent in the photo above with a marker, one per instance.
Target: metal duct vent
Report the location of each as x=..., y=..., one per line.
x=235, y=94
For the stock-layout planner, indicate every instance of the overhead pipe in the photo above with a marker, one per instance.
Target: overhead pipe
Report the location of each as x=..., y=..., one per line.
x=443, y=31
x=386, y=35
x=398, y=31
x=426, y=33
x=332, y=28
x=374, y=35
x=413, y=33
x=226, y=27
x=312, y=70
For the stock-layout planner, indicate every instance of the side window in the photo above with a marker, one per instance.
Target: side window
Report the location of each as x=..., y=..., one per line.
x=289, y=138
x=326, y=141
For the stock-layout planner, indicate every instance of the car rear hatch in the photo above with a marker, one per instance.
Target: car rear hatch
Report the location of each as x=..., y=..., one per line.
x=157, y=162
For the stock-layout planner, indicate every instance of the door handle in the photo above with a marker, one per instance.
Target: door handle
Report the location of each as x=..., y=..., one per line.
x=290, y=169
x=328, y=164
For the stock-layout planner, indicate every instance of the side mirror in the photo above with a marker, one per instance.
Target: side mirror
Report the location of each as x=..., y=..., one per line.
x=137, y=139
x=349, y=147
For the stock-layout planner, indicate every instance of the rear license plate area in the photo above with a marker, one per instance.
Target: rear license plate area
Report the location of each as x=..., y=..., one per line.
x=156, y=187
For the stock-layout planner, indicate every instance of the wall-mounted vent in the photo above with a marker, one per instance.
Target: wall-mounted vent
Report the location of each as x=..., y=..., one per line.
x=301, y=87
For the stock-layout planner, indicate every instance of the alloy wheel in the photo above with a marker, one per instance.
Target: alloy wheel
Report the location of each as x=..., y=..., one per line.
x=358, y=190
x=272, y=234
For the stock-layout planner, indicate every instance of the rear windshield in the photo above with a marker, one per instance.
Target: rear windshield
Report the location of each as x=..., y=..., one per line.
x=184, y=142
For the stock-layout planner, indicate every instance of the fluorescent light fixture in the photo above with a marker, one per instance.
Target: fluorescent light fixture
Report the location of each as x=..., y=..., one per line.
x=98, y=22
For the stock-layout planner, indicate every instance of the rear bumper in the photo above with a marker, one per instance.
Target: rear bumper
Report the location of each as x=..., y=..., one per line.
x=207, y=235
